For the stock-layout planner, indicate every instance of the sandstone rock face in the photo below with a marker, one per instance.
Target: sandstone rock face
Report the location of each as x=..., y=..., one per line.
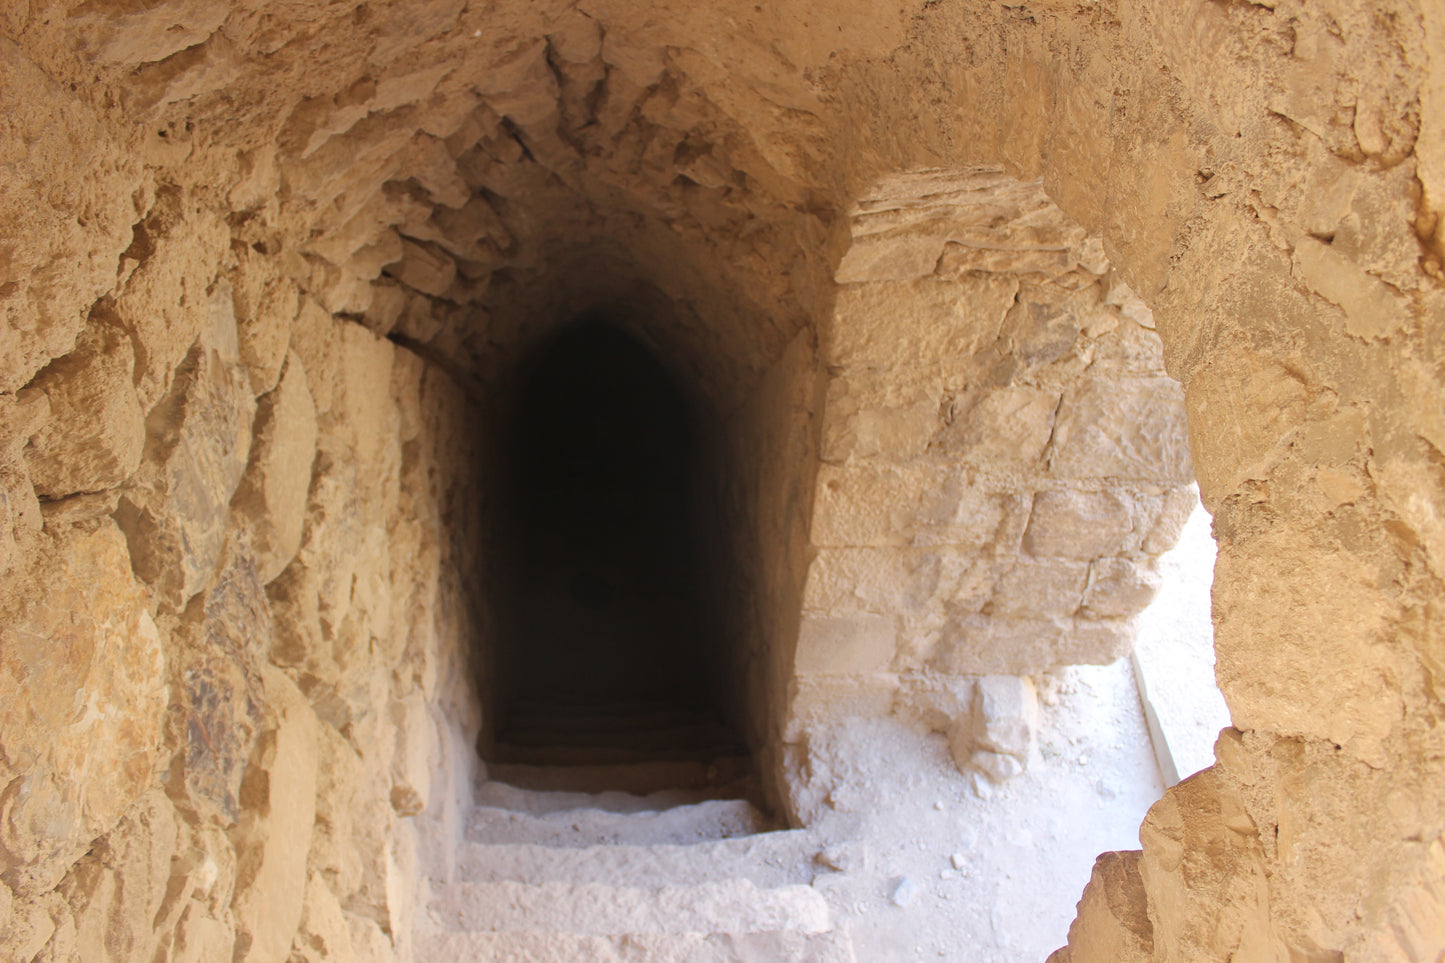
x=1113, y=921
x=1002, y=454
x=76, y=622
x=217, y=684
x=199, y=437
x=275, y=833
x=940, y=269
x=272, y=493
x=998, y=736
x=95, y=432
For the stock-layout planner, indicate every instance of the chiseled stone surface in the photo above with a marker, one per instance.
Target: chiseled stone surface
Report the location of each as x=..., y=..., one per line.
x=1113, y=921
x=77, y=623
x=173, y=511
x=936, y=387
x=217, y=685
x=274, y=835
x=94, y=434
x=271, y=496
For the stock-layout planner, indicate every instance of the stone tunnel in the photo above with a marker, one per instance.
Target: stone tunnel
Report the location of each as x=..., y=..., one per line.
x=395, y=393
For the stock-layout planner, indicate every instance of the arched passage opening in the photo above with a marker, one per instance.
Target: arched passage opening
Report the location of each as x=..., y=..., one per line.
x=607, y=561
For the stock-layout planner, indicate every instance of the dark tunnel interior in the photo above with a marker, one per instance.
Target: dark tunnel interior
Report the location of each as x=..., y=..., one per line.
x=606, y=649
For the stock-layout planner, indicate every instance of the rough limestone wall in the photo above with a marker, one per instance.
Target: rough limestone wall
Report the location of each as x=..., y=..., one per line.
x=1268, y=176
x=772, y=445
x=271, y=192
x=1003, y=454
x=234, y=621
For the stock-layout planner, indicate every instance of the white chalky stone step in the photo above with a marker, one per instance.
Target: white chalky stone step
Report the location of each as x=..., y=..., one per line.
x=531, y=947
x=725, y=906
x=499, y=795
x=714, y=819
x=767, y=859
x=638, y=778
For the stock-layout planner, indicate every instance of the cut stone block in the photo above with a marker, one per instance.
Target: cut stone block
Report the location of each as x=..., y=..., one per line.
x=274, y=835
x=1045, y=588
x=1005, y=715
x=1119, y=588
x=95, y=433
x=1123, y=428
x=1073, y=524
x=1008, y=425
x=271, y=499
x=840, y=644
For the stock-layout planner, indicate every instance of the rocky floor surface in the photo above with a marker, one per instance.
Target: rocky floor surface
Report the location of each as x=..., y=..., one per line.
x=912, y=861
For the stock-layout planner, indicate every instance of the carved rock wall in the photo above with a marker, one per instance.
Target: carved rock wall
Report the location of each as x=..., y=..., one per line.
x=1002, y=452
x=224, y=221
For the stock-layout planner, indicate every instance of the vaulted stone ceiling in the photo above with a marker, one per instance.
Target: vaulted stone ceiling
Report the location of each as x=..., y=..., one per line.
x=197, y=192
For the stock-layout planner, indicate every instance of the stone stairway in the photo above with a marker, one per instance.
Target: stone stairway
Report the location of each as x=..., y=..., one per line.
x=676, y=876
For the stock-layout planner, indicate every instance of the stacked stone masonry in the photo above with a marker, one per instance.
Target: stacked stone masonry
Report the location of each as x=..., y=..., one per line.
x=1002, y=452
x=261, y=262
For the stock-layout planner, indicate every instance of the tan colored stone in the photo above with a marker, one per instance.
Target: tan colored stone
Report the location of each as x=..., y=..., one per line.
x=279, y=802
x=201, y=939
x=75, y=625
x=175, y=516
x=1306, y=646
x=1130, y=428
x=819, y=700
x=265, y=306
x=1203, y=870
x=1119, y=588
x=436, y=171
x=151, y=34
x=914, y=323
x=271, y=497
x=1113, y=917
x=295, y=601
x=217, y=689
x=363, y=396
x=1268, y=176
x=1075, y=524
x=118, y=892
x=67, y=221
x=1241, y=408
x=167, y=300
x=20, y=516
x=414, y=761
x=24, y=929
x=958, y=258
x=424, y=268
x=1001, y=426
x=315, y=339
x=339, y=778
x=1372, y=308
x=370, y=943
x=1167, y=513
x=923, y=505
x=22, y=414
x=984, y=645
x=95, y=432
x=369, y=261
x=1045, y=588
x=873, y=416
x=324, y=936
x=893, y=256
x=890, y=580
x=864, y=642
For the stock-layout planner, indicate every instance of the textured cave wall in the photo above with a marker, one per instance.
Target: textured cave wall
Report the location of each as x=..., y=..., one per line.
x=1003, y=459
x=214, y=213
